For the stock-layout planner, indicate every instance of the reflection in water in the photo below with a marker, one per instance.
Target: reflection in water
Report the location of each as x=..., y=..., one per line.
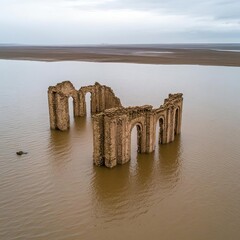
x=55, y=191
x=170, y=162
x=144, y=169
x=111, y=188
x=59, y=144
x=129, y=190
x=62, y=144
x=80, y=125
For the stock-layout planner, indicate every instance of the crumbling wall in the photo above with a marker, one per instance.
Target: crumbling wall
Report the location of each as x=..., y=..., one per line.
x=102, y=98
x=112, y=123
x=58, y=104
x=112, y=130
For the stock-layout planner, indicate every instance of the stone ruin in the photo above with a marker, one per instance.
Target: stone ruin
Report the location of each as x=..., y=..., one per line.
x=113, y=123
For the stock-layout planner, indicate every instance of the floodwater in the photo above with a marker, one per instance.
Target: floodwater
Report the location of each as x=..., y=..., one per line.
x=189, y=189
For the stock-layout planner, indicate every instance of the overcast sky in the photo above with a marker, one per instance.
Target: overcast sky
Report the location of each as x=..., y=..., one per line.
x=119, y=21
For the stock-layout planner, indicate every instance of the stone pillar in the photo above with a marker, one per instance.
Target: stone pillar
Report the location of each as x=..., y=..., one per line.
x=52, y=109
x=93, y=102
x=150, y=134
x=62, y=117
x=121, y=140
x=172, y=121
x=145, y=138
x=98, y=139
x=170, y=124
x=82, y=104
x=76, y=105
x=96, y=99
x=102, y=96
x=180, y=117
x=110, y=150
x=128, y=145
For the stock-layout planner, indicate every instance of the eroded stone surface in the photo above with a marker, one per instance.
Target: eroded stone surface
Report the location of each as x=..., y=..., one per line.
x=102, y=97
x=112, y=130
x=113, y=123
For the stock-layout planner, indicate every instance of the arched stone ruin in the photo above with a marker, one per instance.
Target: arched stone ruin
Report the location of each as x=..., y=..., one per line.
x=102, y=98
x=113, y=123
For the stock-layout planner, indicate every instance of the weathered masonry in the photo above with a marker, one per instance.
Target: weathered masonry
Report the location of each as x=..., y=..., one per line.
x=102, y=98
x=113, y=123
x=112, y=130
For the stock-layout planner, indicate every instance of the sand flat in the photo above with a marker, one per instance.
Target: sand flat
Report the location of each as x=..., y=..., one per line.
x=125, y=54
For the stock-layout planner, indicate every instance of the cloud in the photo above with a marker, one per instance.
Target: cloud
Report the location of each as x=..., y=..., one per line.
x=219, y=9
x=121, y=20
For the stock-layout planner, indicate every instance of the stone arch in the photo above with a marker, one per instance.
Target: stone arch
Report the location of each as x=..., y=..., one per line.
x=102, y=98
x=113, y=123
x=58, y=104
x=82, y=96
x=159, y=131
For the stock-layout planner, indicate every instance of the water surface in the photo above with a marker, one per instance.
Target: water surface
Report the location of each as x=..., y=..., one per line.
x=189, y=189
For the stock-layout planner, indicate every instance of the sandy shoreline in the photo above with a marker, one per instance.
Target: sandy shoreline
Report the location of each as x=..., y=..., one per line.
x=123, y=54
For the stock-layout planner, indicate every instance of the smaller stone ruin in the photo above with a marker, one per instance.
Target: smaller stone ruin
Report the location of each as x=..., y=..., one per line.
x=113, y=123
x=102, y=98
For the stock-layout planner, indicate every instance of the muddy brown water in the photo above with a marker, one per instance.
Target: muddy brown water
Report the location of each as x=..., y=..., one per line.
x=189, y=189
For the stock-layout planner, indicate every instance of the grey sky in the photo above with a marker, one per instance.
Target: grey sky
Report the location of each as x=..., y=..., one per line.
x=118, y=21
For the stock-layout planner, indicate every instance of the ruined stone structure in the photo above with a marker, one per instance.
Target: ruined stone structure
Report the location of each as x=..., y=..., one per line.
x=112, y=130
x=102, y=98
x=113, y=123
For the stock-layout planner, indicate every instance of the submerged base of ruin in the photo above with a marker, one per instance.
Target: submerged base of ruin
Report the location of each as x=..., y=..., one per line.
x=113, y=123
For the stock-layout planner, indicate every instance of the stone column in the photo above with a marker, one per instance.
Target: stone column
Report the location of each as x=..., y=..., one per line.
x=169, y=124
x=52, y=109
x=180, y=116
x=76, y=105
x=93, y=102
x=150, y=134
x=82, y=104
x=62, y=112
x=110, y=150
x=102, y=97
x=128, y=145
x=98, y=139
x=172, y=121
x=121, y=140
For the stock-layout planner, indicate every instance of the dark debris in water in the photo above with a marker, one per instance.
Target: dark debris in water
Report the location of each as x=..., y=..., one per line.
x=21, y=153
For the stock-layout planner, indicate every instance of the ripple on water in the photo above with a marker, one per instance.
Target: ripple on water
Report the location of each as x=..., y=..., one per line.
x=55, y=192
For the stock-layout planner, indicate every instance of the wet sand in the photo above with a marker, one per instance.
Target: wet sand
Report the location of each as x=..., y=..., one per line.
x=124, y=54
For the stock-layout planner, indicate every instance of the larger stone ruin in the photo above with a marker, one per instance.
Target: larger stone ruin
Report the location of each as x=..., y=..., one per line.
x=113, y=123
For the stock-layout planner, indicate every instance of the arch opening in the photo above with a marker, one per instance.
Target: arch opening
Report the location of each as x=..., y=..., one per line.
x=136, y=137
x=135, y=143
x=88, y=101
x=159, y=132
x=71, y=109
x=176, y=121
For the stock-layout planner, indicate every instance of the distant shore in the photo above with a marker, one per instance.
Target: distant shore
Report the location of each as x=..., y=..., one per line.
x=124, y=54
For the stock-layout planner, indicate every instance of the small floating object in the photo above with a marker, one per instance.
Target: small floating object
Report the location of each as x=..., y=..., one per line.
x=21, y=153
